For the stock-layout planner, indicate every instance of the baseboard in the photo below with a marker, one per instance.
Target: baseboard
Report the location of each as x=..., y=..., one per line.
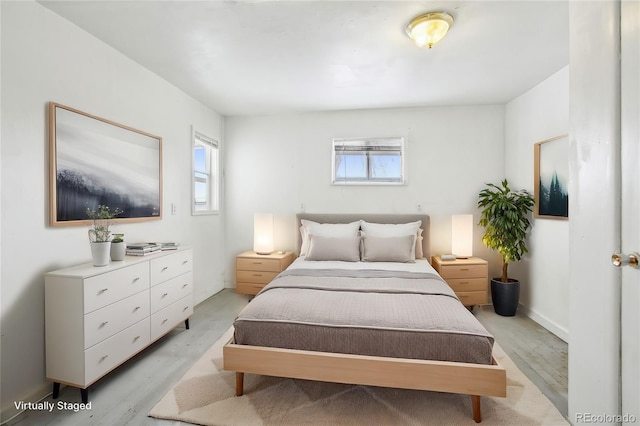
x=554, y=328
x=11, y=415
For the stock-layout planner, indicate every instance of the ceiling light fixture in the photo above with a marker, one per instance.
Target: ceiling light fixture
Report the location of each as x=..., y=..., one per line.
x=428, y=29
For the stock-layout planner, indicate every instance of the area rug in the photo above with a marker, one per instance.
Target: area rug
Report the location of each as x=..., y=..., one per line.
x=206, y=396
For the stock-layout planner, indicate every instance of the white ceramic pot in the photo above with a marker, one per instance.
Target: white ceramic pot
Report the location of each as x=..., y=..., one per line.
x=100, y=252
x=118, y=250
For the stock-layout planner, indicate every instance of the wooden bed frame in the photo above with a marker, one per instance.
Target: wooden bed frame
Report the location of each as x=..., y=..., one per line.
x=475, y=380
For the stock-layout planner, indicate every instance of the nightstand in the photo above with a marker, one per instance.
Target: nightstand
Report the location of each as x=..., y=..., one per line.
x=469, y=278
x=254, y=271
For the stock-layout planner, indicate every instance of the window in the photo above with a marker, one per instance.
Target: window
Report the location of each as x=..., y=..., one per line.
x=206, y=175
x=368, y=161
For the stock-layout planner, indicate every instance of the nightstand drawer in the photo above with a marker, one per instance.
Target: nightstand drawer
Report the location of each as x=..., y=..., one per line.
x=255, y=277
x=469, y=298
x=463, y=271
x=467, y=284
x=270, y=265
x=249, y=288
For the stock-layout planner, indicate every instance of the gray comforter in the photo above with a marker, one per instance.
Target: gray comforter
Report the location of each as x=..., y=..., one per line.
x=379, y=313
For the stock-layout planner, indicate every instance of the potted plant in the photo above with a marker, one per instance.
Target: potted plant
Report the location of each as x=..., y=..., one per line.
x=100, y=233
x=118, y=247
x=505, y=218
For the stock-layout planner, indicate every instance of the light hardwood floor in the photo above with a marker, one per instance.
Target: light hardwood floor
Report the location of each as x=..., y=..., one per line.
x=125, y=396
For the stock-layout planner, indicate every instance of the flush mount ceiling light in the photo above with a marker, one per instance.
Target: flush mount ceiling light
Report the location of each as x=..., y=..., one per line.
x=428, y=29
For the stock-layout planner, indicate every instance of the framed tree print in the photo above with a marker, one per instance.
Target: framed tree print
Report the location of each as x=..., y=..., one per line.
x=94, y=161
x=551, y=178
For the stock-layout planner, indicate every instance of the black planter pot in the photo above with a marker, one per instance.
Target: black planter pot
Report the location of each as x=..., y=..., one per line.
x=505, y=296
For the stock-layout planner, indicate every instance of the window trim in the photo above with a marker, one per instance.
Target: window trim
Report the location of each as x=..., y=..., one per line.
x=373, y=141
x=200, y=139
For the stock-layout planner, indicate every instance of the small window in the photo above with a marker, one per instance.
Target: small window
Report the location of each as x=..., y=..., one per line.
x=205, y=175
x=368, y=161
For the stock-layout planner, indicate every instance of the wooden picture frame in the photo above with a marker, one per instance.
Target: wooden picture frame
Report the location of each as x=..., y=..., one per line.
x=551, y=178
x=94, y=161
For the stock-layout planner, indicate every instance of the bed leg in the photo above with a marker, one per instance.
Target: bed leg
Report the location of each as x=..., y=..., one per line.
x=239, y=383
x=475, y=406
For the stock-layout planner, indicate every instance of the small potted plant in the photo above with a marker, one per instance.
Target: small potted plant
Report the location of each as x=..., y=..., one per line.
x=505, y=218
x=118, y=247
x=100, y=233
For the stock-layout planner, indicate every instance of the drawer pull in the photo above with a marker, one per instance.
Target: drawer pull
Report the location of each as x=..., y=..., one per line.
x=164, y=295
x=463, y=282
x=103, y=324
x=164, y=320
x=164, y=269
x=184, y=285
x=464, y=269
x=103, y=290
x=103, y=358
x=136, y=308
x=185, y=308
x=135, y=339
x=257, y=263
x=257, y=275
x=184, y=262
x=136, y=279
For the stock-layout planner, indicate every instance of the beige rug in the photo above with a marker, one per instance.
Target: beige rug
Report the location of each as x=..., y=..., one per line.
x=205, y=396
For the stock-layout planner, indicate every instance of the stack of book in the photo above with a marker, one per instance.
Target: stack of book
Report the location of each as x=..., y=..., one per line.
x=142, y=249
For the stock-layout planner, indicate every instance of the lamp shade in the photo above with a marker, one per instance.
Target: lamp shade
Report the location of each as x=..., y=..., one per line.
x=462, y=235
x=263, y=233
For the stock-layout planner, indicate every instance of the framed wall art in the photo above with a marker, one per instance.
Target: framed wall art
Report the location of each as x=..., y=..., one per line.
x=551, y=178
x=94, y=161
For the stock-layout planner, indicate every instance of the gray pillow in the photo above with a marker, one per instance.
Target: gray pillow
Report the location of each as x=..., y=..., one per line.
x=333, y=248
x=388, y=249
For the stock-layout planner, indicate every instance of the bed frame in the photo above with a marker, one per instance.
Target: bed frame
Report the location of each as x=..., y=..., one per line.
x=475, y=380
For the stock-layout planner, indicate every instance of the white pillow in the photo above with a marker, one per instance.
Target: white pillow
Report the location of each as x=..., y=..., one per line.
x=335, y=230
x=393, y=230
x=329, y=248
x=388, y=249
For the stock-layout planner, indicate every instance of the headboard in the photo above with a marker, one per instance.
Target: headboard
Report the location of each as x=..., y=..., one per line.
x=376, y=218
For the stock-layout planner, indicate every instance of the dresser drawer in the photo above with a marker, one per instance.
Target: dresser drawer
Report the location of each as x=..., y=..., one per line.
x=467, y=284
x=166, y=319
x=102, y=290
x=110, y=353
x=164, y=294
x=463, y=271
x=470, y=298
x=166, y=267
x=255, y=277
x=249, y=288
x=269, y=265
x=105, y=322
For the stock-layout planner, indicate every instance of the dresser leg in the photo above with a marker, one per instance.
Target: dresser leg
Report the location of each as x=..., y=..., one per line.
x=56, y=390
x=84, y=393
x=186, y=323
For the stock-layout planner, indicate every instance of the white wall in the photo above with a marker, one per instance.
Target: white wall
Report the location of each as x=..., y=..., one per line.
x=45, y=58
x=280, y=163
x=537, y=115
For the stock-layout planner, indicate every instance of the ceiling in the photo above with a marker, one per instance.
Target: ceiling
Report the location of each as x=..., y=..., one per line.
x=265, y=57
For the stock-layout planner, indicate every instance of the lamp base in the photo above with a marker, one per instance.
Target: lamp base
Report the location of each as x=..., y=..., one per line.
x=263, y=253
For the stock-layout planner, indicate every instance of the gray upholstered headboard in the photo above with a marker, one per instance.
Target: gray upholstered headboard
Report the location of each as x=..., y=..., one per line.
x=376, y=218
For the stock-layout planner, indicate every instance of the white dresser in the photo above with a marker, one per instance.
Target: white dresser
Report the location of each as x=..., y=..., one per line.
x=96, y=318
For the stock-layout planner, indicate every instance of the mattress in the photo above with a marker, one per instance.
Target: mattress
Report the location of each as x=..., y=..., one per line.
x=379, y=309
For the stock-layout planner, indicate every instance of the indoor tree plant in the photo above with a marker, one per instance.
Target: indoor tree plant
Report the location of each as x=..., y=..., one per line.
x=100, y=233
x=505, y=218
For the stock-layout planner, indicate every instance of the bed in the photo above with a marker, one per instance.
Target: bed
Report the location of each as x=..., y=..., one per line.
x=388, y=321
